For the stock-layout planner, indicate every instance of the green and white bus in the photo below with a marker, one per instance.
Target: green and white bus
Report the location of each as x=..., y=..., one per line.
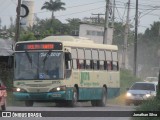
x=65, y=69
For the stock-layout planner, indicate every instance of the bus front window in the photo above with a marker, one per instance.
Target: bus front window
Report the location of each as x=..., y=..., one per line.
x=45, y=65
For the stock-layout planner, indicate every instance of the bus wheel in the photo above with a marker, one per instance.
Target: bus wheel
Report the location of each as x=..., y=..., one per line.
x=102, y=102
x=61, y=104
x=74, y=100
x=29, y=103
x=94, y=103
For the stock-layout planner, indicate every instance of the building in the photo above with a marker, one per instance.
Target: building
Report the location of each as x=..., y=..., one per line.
x=6, y=61
x=95, y=32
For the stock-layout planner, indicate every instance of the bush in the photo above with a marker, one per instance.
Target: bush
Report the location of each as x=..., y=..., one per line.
x=151, y=105
x=127, y=79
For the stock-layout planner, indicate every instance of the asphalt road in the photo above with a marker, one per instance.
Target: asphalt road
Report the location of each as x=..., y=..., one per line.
x=81, y=109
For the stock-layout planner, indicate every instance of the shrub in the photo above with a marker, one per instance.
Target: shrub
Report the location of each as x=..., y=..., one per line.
x=151, y=105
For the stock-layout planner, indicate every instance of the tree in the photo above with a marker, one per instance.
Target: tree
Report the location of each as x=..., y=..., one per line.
x=27, y=36
x=74, y=25
x=53, y=6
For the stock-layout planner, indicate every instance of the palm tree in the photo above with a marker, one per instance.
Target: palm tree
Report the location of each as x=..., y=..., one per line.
x=53, y=6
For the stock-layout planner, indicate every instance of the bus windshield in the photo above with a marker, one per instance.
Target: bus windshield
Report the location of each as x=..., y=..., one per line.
x=45, y=65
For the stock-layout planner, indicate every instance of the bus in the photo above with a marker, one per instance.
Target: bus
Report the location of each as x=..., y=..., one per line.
x=65, y=70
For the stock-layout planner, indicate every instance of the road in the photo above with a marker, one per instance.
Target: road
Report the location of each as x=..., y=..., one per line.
x=81, y=107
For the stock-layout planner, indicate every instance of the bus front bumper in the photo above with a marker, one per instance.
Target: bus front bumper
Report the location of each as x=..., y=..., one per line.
x=51, y=96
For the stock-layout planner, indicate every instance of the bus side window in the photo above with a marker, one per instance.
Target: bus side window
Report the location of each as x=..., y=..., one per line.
x=81, y=64
x=102, y=65
x=88, y=64
x=115, y=65
x=101, y=62
x=91, y=64
x=74, y=64
x=74, y=58
x=68, y=60
x=78, y=64
x=105, y=65
x=109, y=65
x=84, y=64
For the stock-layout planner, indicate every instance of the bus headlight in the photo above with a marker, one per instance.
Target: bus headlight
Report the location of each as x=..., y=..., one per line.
x=19, y=90
x=60, y=88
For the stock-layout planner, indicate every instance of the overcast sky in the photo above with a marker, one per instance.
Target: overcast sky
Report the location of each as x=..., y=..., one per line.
x=149, y=10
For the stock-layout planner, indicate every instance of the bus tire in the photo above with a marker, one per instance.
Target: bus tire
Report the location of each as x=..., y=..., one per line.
x=102, y=102
x=28, y=103
x=94, y=103
x=74, y=100
x=61, y=104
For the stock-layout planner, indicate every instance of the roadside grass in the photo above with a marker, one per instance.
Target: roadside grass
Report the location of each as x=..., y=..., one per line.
x=149, y=106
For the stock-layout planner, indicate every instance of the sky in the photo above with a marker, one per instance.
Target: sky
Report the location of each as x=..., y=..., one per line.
x=149, y=11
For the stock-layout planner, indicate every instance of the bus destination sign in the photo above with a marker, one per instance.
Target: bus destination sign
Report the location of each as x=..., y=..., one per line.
x=38, y=46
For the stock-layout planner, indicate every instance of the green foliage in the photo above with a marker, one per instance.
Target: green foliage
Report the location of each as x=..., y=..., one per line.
x=151, y=105
x=148, y=46
x=49, y=27
x=127, y=79
x=53, y=6
x=27, y=36
x=73, y=25
x=118, y=38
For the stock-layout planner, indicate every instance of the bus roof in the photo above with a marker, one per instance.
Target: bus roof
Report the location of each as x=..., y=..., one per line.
x=72, y=41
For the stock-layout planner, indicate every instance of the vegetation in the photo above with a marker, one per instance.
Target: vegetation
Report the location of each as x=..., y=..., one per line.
x=151, y=105
x=126, y=80
x=53, y=6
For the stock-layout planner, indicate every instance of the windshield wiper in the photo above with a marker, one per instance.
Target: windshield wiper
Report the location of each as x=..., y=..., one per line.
x=28, y=56
x=47, y=55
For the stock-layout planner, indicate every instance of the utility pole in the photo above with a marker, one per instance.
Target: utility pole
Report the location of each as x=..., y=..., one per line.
x=98, y=17
x=114, y=3
x=135, y=40
x=105, y=36
x=125, y=45
x=18, y=21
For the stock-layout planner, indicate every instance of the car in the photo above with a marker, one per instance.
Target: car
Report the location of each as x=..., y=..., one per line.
x=3, y=95
x=140, y=92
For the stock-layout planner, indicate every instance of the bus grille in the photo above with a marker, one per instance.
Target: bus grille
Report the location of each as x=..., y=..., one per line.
x=40, y=96
x=38, y=85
